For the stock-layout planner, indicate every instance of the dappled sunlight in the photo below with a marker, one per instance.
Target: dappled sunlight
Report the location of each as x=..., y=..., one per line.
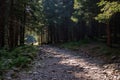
x=77, y=64
x=81, y=63
x=53, y=63
x=69, y=62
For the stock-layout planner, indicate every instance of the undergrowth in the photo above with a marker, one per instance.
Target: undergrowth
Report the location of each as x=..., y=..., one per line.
x=102, y=49
x=75, y=44
x=19, y=57
x=96, y=49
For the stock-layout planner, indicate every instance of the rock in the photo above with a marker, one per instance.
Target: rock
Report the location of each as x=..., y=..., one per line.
x=53, y=71
x=113, y=57
x=29, y=72
x=109, y=72
x=105, y=66
x=70, y=72
x=9, y=78
x=16, y=69
x=54, y=78
x=35, y=73
x=39, y=65
x=50, y=57
x=54, y=63
x=41, y=58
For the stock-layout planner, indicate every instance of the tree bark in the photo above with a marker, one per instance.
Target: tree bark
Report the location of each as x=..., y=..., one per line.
x=22, y=27
x=2, y=22
x=108, y=35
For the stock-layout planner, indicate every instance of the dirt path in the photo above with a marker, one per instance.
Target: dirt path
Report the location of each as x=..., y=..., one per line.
x=60, y=64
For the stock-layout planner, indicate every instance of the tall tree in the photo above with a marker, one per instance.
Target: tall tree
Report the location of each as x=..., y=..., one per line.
x=58, y=15
x=109, y=8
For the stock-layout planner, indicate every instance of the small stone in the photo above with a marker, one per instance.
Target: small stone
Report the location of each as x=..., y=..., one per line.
x=54, y=78
x=16, y=69
x=41, y=58
x=9, y=78
x=105, y=66
x=109, y=72
x=30, y=72
x=54, y=63
x=70, y=72
x=53, y=71
x=50, y=57
x=113, y=57
x=35, y=73
x=39, y=65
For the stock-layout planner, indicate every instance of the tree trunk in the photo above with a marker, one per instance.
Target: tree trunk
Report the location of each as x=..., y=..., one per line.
x=11, y=26
x=22, y=27
x=2, y=22
x=7, y=14
x=11, y=33
x=108, y=35
x=16, y=28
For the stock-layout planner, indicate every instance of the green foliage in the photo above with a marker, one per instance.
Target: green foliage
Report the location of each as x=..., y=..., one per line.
x=19, y=57
x=75, y=44
x=57, y=11
x=97, y=49
x=85, y=10
x=21, y=61
x=5, y=64
x=108, y=9
x=103, y=51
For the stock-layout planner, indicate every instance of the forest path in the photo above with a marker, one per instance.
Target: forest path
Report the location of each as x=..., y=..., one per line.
x=53, y=63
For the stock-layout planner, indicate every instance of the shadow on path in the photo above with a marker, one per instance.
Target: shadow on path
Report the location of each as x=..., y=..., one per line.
x=53, y=63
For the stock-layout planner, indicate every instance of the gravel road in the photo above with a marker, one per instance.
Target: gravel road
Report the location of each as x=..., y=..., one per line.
x=53, y=63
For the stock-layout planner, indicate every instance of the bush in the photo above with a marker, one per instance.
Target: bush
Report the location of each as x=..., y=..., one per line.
x=75, y=44
x=21, y=61
x=19, y=57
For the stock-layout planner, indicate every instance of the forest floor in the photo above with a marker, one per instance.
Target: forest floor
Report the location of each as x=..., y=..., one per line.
x=53, y=63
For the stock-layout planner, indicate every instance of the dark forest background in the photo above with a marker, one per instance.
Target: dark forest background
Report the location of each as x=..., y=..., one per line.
x=58, y=21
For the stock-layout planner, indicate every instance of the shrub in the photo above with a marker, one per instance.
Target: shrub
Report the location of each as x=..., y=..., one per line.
x=75, y=44
x=18, y=57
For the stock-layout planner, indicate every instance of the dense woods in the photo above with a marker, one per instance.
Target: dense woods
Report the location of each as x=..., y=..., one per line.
x=58, y=21
x=69, y=22
x=12, y=21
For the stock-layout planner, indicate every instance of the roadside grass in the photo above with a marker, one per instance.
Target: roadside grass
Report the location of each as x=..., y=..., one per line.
x=101, y=48
x=17, y=58
x=95, y=49
x=75, y=45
